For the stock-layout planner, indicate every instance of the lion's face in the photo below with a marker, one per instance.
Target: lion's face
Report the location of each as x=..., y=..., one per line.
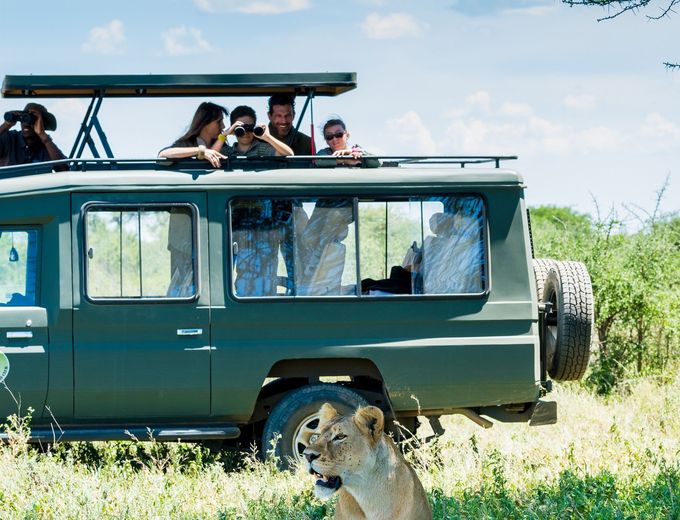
x=343, y=447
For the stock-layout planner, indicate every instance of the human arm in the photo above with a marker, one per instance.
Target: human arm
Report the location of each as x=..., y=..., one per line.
x=7, y=125
x=53, y=151
x=280, y=147
x=199, y=151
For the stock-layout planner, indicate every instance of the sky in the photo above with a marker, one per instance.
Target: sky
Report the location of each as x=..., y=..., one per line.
x=587, y=106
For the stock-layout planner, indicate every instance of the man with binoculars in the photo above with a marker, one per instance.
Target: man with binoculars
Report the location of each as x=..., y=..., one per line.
x=31, y=144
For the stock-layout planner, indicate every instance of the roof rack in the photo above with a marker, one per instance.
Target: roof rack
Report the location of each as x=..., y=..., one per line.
x=169, y=85
x=239, y=163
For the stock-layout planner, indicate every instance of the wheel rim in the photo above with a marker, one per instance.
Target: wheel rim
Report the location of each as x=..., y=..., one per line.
x=303, y=432
x=551, y=332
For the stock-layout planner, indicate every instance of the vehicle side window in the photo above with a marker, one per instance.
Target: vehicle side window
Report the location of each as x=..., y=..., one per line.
x=18, y=267
x=308, y=247
x=425, y=245
x=140, y=252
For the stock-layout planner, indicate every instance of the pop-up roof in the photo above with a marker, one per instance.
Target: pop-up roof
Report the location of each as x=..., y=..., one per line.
x=179, y=85
x=170, y=85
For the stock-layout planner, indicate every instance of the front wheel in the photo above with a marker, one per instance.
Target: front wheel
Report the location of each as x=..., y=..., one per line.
x=296, y=417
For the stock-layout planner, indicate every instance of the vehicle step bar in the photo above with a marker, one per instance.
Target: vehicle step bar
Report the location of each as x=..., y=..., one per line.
x=137, y=432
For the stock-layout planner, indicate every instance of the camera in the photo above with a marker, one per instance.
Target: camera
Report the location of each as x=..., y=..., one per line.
x=25, y=117
x=240, y=131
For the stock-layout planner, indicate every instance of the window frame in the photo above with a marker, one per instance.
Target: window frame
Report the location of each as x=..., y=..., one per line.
x=357, y=296
x=136, y=206
x=38, y=259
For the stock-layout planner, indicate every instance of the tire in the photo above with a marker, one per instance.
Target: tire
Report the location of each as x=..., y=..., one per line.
x=569, y=324
x=295, y=417
x=542, y=267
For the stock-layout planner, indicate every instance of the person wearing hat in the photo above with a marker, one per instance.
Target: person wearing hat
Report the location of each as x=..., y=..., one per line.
x=31, y=144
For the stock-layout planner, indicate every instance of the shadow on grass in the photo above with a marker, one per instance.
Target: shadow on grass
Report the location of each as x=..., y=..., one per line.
x=598, y=496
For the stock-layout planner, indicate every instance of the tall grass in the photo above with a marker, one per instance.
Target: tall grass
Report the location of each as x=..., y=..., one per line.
x=614, y=458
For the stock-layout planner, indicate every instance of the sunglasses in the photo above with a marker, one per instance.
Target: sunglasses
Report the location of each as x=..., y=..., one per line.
x=336, y=135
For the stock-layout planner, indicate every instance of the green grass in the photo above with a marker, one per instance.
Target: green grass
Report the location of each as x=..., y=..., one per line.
x=616, y=458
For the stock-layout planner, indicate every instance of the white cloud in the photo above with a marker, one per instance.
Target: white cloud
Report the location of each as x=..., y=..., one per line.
x=537, y=10
x=657, y=133
x=516, y=109
x=479, y=100
x=107, y=39
x=252, y=7
x=599, y=138
x=579, y=101
x=391, y=26
x=412, y=134
x=181, y=41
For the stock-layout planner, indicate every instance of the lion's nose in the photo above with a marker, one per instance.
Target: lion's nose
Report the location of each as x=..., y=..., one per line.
x=311, y=456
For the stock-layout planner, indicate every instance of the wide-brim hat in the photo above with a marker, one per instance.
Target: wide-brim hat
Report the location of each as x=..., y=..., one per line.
x=49, y=121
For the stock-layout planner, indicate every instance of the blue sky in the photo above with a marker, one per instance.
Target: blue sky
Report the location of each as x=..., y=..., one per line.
x=587, y=106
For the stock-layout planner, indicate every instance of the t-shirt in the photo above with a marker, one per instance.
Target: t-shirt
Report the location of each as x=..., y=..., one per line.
x=300, y=143
x=257, y=148
x=14, y=150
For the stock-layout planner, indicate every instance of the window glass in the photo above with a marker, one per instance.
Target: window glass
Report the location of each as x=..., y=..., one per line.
x=308, y=247
x=18, y=267
x=293, y=247
x=140, y=252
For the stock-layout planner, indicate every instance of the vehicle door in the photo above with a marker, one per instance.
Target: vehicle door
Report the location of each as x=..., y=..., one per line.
x=24, y=344
x=141, y=319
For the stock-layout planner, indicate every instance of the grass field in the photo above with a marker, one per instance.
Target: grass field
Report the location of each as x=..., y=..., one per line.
x=616, y=458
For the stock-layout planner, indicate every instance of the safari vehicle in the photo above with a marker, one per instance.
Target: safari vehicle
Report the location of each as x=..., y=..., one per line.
x=173, y=299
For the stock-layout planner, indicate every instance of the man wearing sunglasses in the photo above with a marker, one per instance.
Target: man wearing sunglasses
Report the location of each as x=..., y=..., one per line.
x=32, y=143
x=281, y=114
x=253, y=140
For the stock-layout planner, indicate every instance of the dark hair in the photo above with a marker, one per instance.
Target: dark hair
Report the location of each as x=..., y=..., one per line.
x=242, y=110
x=333, y=122
x=281, y=99
x=205, y=114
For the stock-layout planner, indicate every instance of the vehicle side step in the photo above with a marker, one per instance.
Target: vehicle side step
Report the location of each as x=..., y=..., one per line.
x=137, y=432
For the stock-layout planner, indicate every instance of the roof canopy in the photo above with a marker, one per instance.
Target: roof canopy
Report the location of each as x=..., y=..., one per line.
x=179, y=85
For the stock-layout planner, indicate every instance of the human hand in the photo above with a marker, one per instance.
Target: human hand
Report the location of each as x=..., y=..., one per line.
x=214, y=157
x=14, y=117
x=38, y=126
x=230, y=130
x=266, y=135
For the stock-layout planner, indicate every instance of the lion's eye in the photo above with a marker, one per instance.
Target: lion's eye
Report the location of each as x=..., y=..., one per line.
x=340, y=437
x=314, y=437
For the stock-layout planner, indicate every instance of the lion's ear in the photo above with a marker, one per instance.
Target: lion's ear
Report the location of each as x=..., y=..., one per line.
x=326, y=413
x=371, y=421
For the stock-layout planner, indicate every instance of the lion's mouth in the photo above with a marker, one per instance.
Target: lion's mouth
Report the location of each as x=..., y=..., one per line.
x=329, y=482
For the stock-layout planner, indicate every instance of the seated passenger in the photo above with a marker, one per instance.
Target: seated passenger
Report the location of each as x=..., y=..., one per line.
x=453, y=258
x=336, y=135
x=244, y=128
x=204, y=139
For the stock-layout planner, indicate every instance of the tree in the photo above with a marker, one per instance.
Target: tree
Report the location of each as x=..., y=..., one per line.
x=619, y=7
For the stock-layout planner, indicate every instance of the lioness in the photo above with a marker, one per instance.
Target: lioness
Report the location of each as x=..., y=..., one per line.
x=351, y=455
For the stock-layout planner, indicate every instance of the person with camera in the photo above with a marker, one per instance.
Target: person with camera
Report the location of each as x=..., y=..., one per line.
x=281, y=114
x=31, y=144
x=253, y=140
x=204, y=138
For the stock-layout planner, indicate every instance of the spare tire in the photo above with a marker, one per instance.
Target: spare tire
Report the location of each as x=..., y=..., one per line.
x=569, y=324
x=542, y=267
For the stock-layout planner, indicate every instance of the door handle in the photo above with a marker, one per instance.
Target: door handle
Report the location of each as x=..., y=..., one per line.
x=19, y=334
x=189, y=332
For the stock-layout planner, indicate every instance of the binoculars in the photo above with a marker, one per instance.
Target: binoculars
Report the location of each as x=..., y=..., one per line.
x=25, y=117
x=240, y=131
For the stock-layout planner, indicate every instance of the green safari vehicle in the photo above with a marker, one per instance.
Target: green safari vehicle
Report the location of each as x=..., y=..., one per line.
x=170, y=298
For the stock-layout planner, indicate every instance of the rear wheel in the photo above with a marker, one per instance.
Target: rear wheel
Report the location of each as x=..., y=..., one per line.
x=569, y=324
x=296, y=417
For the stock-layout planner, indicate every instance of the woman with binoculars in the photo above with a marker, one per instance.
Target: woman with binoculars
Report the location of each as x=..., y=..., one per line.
x=253, y=139
x=31, y=144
